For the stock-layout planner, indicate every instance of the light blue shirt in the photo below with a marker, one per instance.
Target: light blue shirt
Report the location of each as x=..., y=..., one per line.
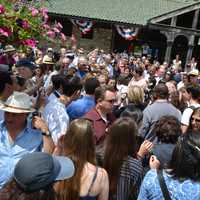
x=28, y=141
x=57, y=119
x=110, y=70
x=185, y=190
x=1, y=115
x=52, y=97
x=1, y=111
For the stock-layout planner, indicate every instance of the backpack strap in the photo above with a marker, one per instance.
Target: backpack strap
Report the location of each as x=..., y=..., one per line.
x=93, y=180
x=163, y=185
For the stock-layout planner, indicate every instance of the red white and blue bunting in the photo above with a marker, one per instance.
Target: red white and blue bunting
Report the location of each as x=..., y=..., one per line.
x=127, y=33
x=83, y=25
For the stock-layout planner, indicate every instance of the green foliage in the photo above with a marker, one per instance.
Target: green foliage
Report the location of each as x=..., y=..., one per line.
x=25, y=23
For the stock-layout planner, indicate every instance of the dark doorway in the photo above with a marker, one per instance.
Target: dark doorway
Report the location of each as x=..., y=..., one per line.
x=156, y=41
x=120, y=44
x=180, y=47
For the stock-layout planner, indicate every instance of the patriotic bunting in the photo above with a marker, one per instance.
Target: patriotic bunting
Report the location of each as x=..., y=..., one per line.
x=84, y=26
x=127, y=33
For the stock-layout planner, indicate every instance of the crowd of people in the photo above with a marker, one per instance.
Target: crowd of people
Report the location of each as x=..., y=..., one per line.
x=97, y=126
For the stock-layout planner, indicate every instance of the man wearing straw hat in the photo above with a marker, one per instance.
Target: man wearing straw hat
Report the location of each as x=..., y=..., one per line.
x=17, y=135
x=7, y=57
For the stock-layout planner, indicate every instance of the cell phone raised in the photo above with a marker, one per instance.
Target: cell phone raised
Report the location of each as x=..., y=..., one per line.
x=36, y=113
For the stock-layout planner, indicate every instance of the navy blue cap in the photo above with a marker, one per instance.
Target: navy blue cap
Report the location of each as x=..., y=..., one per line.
x=26, y=63
x=37, y=170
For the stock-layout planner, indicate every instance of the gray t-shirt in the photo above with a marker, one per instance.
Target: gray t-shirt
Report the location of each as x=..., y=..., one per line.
x=152, y=113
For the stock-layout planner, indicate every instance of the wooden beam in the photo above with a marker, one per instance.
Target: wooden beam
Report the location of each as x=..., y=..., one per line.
x=175, y=13
x=173, y=21
x=195, y=19
x=179, y=30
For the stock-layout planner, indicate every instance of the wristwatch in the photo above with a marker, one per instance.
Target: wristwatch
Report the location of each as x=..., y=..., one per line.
x=47, y=133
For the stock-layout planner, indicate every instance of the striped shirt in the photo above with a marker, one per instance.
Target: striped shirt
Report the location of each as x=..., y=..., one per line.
x=131, y=175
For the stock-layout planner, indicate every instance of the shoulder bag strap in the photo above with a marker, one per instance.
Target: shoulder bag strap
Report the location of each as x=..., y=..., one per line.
x=93, y=180
x=163, y=185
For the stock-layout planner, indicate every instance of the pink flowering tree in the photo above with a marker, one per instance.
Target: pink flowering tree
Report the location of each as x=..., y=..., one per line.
x=25, y=23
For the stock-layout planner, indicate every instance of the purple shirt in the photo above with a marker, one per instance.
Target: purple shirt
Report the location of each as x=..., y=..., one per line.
x=99, y=124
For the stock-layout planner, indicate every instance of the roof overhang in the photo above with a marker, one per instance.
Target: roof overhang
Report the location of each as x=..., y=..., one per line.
x=178, y=30
x=94, y=19
x=127, y=12
x=174, y=13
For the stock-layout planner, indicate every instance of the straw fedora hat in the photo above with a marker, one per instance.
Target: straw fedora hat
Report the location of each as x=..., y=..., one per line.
x=194, y=72
x=9, y=48
x=18, y=102
x=48, y=60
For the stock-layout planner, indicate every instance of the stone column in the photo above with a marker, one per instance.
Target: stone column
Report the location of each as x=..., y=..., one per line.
x=173, y=21
x=190, y=50
x=195, y=19
x=170, y=39
x=191, y=38
x=189, y=55
x=168, y=51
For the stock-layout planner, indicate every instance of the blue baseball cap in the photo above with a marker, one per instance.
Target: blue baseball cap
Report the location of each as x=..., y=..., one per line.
x=37, y=170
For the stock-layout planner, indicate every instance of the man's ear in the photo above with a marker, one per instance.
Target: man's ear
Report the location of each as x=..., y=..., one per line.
x=8, y=86
x=99, y=101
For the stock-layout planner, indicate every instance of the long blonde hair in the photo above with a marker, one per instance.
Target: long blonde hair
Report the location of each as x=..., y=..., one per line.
x=78, y=144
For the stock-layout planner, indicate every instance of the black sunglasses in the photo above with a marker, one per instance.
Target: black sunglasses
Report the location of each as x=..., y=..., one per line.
x=111, y=101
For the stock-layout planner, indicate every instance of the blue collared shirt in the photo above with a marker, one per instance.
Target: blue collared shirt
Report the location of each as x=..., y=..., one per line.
x=80, y=107
x=1, y=111
x=57, y=119
x=28, y=141
x=52, y=96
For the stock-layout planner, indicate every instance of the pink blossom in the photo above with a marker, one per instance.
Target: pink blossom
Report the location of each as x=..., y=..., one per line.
x=5, y=31
x=25, y=24
x=46, y=26
x=63, y=37
x=2, y=9
x=56, y=30
x=44, y=11
x=51, y=34
x=34, y=11
x=46, y=17
x=29, y=42
x=59, y=26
